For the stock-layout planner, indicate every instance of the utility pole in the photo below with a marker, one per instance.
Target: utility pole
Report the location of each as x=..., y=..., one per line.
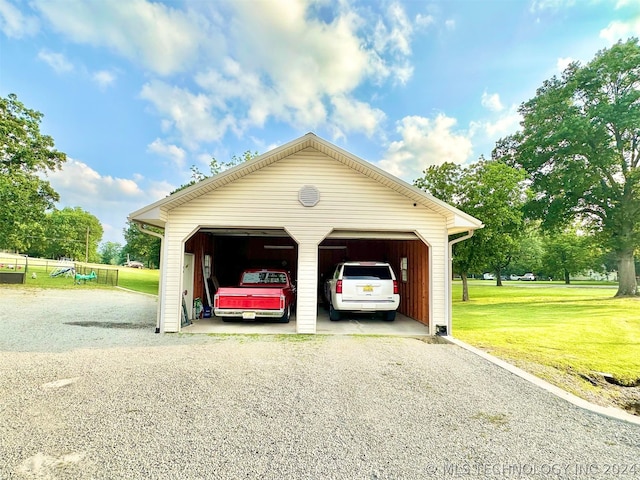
x=86, y=251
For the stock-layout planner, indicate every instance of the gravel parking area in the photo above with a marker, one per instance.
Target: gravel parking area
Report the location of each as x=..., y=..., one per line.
x=88, y=391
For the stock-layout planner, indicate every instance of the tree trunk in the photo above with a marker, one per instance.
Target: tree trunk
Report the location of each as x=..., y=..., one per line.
x=498, y=278
x=567, y=280
x=465, y=287
x=627, y=284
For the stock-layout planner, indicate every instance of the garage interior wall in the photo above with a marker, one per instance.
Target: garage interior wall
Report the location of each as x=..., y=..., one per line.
x=232, y=254
x=414, y=293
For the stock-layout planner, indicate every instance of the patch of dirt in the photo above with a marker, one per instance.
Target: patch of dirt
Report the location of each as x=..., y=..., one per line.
x=622, y=395
x=596, y=387
x=433, y=339
x=126, y=325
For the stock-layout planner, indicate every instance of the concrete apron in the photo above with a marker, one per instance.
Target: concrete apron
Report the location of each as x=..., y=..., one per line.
x=351, y=325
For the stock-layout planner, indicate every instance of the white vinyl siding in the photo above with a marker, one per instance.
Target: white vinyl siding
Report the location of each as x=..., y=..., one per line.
x=268, y=198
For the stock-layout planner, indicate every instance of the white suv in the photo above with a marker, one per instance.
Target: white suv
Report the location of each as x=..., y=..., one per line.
x=362, y=287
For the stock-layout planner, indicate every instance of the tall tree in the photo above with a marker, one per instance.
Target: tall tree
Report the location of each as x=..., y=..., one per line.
x=140, y=246
x=580, y=144
x=528, y=258
x=110, y=253
x=568, y=253
x=497, y=196
x=25, y=154
x=72, y=233
x=492, y=192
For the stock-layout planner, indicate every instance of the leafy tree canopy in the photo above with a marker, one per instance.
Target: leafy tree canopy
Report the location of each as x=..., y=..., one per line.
x=491, y=191
x=528, y=257
x=25, y=154
x=216, y=167
x=140, y=246
x=568, y=253
x=70, y=233
x=580, y=145
x=110, y=253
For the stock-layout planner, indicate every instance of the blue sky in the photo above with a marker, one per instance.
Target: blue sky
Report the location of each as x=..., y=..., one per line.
x=136, y=91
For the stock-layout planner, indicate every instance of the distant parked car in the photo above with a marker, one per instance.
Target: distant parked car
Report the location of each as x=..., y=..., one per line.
x=134, y=264
x=528, y=277
x=513, y=276
x=488, y=276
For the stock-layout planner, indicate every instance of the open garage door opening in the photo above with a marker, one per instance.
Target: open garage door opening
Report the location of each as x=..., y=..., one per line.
x=404, y=251
x=220, y=256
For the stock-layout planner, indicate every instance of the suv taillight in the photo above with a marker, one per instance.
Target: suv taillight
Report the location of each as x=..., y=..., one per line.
x=395, y=287
x=339, y=286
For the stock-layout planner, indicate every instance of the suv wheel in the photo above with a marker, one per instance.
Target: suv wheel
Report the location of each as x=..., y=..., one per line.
x=334, y=315
x=390, y=316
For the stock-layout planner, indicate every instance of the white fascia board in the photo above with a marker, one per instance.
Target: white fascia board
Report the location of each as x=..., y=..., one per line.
x=154, y=216
x=462, y=223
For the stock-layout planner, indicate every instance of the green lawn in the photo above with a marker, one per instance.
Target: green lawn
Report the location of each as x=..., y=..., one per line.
x=580, y=330
x=139, y=279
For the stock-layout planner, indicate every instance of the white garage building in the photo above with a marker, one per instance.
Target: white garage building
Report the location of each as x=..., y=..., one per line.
x=305, y=205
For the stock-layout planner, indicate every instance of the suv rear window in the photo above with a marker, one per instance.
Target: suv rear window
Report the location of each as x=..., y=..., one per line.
x=360, y=272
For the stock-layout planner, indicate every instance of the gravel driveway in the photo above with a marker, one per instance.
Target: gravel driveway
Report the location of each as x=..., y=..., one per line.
x=87, y=390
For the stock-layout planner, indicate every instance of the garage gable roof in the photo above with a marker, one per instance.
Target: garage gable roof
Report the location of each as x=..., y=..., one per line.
x=156, y=213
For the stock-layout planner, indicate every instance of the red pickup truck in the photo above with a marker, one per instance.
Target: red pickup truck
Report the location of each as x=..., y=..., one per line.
x=261, y=294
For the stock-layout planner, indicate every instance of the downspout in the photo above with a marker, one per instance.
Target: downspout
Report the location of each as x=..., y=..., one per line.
x=141, y=228
x=449, y=282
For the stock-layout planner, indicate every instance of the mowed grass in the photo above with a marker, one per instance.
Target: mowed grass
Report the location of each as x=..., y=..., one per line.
x=579, y=330
x=138, y=279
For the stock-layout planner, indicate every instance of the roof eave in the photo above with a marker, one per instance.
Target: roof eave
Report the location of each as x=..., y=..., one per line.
x=155, y=214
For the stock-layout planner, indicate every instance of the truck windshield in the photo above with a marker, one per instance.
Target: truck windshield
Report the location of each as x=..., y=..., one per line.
x=264, y=277
x=373, y=272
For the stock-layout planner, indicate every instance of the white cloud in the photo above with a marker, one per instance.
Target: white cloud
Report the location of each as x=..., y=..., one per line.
x=491, y=101
x=174, y=153
x=110, y=199
x=540, y=5
x=190, y=114
x=450, y=24
x=299, y=57
x=93, y=185
x=425, y=142
x=396, y=36
x=350, y=112
x=252, y=62
x=621, y=30
x=289, y=67
x=424, y=20
x=57, y=61
x=15, y=24
x=563, y=62
x=489, y=131
x=104, y=78
x=162, y=38
x=391, y=38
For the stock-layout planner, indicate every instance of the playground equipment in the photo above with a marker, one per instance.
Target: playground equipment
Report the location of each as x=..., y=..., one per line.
x=79, y=276
x=64, y=268
x=67, y=272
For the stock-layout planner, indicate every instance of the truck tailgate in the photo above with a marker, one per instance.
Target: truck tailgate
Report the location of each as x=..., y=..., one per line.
x=249, y=298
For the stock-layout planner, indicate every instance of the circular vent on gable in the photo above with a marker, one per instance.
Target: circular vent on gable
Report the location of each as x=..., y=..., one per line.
x=309, y=196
